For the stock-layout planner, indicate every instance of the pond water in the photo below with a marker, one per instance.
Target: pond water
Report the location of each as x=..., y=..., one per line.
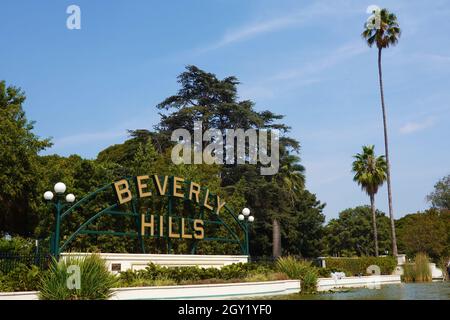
x=403, y=291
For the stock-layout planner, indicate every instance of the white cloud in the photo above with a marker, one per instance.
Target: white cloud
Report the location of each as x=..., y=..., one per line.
x=342, y=53
x=318, y=11
x=251, y=30
x=412, y=127
x=307, y=74
x=255, y=29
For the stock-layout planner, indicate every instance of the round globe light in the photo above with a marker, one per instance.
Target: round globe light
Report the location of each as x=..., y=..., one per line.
x=251, y=218
x=70, y=197
x=241, y=217
x=48, y=195
x=60, y=187
x=246, y=211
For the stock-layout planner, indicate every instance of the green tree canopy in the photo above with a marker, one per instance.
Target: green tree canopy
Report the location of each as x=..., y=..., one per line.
x=18, y=162
x=349, y=234
x=427, y=232
x=440, y=197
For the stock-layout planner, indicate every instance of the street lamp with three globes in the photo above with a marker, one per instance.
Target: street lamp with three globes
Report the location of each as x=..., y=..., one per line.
x=59, y=188
x=246, y=218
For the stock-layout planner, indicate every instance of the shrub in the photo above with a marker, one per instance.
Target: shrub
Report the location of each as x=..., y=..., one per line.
x=3, y=287
x=96, y=280
x=419, y=271
x=154, y=274
x=292, y=267
x=301, y=270
x=273, y=276
x=442, y=264
x=326, y=272
x=21, y=278
x=243, y=270
x=163, y=281
x=258, y=277
x=358, y=266
x=309, y=280
x=17, y=245
x=422, y=266
x=141, y=281
x=408, y=272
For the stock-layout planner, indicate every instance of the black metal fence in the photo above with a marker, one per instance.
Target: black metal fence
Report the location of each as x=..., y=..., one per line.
x=262, y=259
x=10, y=260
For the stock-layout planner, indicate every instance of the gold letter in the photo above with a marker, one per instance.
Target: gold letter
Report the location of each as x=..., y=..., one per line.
x=161, y=191
x=183, y=235
x=176, y=187
x=219, y=205
x=161, y=226
x=145, y=224
x=194, y=189
x=123, y=194
x=172, y=234
x=198, y=226
x=205, y=202
x=141, y=186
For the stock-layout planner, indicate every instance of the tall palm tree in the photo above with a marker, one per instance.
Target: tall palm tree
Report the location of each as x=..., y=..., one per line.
x=370, y=173
x=291, y=175
x=291, y=178
x=384, y=34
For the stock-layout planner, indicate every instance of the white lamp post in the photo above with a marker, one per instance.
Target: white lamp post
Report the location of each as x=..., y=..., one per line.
x=242, y=217
x=70, y=198
x=59, y=188
x=48, y=195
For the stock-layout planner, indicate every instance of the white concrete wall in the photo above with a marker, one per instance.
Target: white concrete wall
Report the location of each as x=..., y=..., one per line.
x=401, y=259
x=130, y=261
x=436, y=273
x=325, y=284
x=209, y=291
x=189, y=292
x=229, y=290
x=19, y=295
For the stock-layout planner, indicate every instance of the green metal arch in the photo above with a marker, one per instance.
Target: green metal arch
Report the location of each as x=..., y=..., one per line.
x=234, y=237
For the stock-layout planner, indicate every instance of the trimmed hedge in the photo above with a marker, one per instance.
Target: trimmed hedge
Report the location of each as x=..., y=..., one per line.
x=179, y=275
x=358, y=266
x=21, y=278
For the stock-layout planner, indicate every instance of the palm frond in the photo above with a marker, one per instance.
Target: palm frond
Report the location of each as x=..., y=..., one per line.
x=387, y=35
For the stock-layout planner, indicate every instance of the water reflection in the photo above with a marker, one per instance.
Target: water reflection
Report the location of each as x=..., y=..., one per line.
x=404, y=291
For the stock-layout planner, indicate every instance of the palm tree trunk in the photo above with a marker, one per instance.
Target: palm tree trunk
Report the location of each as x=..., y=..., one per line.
x=276, y=239
x=374, y=223
x=391, y=212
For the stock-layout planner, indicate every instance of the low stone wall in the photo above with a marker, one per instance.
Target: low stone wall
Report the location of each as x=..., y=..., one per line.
x=325, y=284
x=117, y=262
x=228, y=290
x=209, y=291
x=189, y=292
x=19, y=295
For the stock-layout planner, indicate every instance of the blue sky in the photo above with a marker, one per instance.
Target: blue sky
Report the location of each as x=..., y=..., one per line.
x=303, y=59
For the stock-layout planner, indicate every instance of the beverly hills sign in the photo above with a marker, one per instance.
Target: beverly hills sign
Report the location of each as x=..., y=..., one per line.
x=165, y=208
x=165, y=225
